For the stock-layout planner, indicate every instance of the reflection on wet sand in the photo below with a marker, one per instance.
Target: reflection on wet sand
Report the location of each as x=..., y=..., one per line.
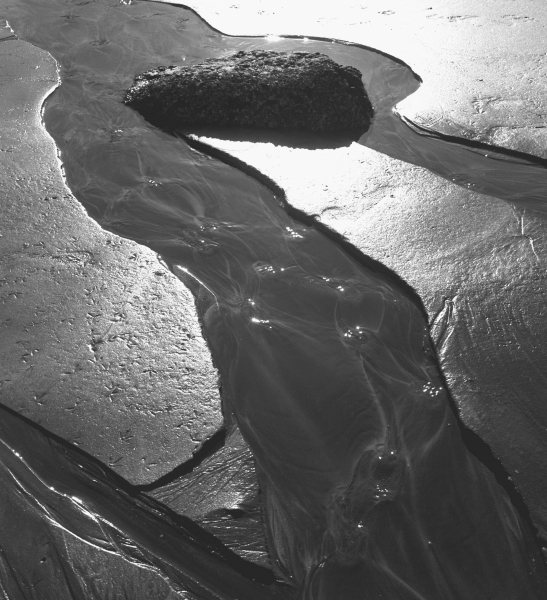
x=324, y=355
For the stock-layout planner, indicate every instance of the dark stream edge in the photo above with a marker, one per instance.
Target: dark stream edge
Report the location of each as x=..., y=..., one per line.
x=208, y=448
x=473, y=144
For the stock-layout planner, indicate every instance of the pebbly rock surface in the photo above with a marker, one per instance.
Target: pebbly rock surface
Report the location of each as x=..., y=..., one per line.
x=259, y=88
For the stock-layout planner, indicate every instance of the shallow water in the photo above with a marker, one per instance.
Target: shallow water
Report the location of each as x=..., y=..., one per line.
x=324, y=355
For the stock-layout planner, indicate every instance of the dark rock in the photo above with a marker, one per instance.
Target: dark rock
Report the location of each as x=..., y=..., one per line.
x=265, y=89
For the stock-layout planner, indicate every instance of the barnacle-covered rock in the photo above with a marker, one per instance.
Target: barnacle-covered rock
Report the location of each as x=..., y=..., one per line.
x=263, y=89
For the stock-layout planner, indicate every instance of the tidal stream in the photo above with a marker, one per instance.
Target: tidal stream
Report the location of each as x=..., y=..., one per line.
x=324, y=356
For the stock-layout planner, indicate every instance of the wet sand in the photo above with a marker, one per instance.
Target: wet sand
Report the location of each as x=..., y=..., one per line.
x=234, y=290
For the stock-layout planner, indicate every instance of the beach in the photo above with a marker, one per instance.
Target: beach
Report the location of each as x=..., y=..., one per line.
x=254, y=243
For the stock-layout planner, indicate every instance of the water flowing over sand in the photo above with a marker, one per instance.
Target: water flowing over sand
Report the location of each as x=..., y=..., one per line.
x=324, y=355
